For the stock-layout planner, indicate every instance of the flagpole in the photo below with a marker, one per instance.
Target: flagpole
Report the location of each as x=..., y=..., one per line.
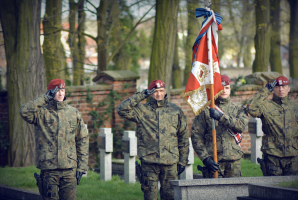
x=209, y=42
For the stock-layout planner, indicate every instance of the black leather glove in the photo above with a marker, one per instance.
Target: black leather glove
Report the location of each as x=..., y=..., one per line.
x=51, y=93
x=270, y=86
x=180, y=169
x=79, y=176
x=147, y=92
x=215, y=114
x=211, y=164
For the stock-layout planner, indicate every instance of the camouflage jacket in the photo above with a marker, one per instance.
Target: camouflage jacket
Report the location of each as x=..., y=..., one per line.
x=60, y=134
x=235, y=118
x=162, y=129
x=279, y=123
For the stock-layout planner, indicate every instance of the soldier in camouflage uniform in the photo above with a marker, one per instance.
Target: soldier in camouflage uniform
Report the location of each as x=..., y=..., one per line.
x=228, y=151
x=61, y=142
x=279, y=117
x=163, y=136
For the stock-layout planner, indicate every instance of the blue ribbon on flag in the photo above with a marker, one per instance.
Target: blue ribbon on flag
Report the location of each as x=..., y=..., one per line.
x=200, y=12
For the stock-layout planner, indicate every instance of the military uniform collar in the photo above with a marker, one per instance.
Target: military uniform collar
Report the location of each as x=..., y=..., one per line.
x=59, y=105
x=220, y=100
x=159, y=103
x=280, y=100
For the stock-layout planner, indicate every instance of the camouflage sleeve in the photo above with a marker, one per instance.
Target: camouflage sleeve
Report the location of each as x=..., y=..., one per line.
x=183, y=141
x=129, y=108
x=237, y=123
x=198, y=136
x=254, y=106
x=30, y=111
x=82, y=145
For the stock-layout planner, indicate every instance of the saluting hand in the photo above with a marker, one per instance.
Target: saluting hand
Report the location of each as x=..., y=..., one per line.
x=52, y=93
x=148, y=93
x=270, y=86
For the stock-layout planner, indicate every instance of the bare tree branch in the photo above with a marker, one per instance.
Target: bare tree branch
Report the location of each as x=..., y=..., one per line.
x=128, y=36
x=61, y=29
x=87, y=1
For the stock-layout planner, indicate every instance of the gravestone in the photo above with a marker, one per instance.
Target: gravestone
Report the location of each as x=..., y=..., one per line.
x=85, y=175
x=105, y=145
x=129, y=150
x=256, y=133
x=188, y=172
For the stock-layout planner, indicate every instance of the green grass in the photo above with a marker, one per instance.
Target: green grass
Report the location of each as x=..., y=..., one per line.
x=291, y=184
x=90, y=187
x=19, y=177
x=248, y=169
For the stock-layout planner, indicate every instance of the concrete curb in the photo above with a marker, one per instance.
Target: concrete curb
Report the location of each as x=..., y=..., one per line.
x=269, y=191
x=15, y=193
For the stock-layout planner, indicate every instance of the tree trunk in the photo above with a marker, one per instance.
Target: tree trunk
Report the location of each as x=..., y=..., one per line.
x=164, y=40
x=82, y=40
x=176, y=72
x=25, y=73
x=275, y=58
x=122, y=59
x=262, y=37
x=52, y=52
x=72, y=41
x=192, y=33
x=101, y=36
x=293, y=47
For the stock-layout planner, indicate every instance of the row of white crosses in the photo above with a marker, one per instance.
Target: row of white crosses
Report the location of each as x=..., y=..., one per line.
x=129, y=150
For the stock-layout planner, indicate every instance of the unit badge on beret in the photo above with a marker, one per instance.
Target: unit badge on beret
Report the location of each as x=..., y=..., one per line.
x=280, y=82
x=223, y=83
x=158, y=85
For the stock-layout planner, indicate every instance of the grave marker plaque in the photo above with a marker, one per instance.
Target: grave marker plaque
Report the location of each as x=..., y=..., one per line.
x=125, y=146
x=101, y=142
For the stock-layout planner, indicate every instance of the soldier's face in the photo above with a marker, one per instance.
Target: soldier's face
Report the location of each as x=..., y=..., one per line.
x=281, y=91
x=60, y=95
x=226, y=91
x=159, y=94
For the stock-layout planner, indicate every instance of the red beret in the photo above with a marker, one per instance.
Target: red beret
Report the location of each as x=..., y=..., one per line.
x=56, y=82
x=282, y=81
x=156, y=84
x=225, y=80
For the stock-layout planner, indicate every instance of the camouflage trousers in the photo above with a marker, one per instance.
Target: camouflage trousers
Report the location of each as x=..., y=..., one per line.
x=229, y=168
x=276, y=166
x=151, y=174
x=64, y=179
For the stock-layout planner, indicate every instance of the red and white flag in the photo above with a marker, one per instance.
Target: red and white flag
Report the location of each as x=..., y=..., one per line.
x=197, y=91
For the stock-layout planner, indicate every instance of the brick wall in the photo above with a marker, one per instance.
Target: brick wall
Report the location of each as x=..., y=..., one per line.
x=76, y=96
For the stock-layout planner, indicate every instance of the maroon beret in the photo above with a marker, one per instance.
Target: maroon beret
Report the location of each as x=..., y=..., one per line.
x=156, y=84
x=56, y=82
x=282, y=81
x=225, y=80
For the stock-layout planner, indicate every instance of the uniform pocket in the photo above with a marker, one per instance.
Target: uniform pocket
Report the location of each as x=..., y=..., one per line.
x=174, y=150
x=45, y=156
x=72, y=155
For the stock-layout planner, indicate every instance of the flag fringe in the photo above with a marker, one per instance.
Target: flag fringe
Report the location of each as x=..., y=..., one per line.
x=194, y=91
x=206, y=105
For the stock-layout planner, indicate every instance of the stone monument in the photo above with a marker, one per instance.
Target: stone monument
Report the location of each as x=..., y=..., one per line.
x=129, y=150
x=256, y=133
x=85, y=175
x=188, y=172
x=105, y=145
